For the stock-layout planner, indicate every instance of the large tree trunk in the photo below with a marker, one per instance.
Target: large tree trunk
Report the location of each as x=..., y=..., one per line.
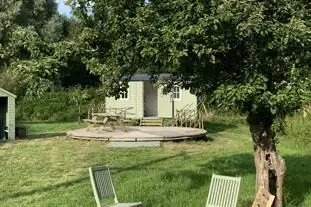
x=270, y=167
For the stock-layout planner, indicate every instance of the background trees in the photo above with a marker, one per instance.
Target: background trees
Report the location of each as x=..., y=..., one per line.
x=38, y=51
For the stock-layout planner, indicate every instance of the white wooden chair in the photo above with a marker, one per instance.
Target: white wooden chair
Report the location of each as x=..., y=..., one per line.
x=103, y=188
x=223, y=191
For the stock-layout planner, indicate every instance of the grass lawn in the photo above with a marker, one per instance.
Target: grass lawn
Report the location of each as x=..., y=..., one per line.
x=53, y=171
x=38, y=128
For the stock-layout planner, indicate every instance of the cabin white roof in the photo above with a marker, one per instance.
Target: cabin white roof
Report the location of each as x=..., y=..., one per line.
x=7, y=93
x=146, y=77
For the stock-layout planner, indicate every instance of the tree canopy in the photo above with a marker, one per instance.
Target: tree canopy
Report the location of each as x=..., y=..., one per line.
x=248, y=55
x=38, y=51
x=257, y=49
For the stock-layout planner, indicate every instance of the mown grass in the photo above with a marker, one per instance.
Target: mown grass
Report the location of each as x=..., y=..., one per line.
x=40, y=128
x=53, y=171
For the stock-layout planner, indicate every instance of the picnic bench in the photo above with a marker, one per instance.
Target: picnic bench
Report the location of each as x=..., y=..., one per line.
x=100, y=120
x=111, y=117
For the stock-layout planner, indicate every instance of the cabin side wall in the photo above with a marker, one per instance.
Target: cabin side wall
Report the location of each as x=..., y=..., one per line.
x=10, y=115
x=165, y=103
x=135, y=100
x=187, y=99
x=11, y=118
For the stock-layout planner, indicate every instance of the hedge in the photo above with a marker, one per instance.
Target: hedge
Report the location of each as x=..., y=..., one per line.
x=52, y=107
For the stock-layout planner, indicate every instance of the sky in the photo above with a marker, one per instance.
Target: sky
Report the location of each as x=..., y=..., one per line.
x=62, y=8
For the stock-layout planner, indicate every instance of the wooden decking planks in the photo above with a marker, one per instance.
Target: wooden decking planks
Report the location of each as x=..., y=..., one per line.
x=137, y=133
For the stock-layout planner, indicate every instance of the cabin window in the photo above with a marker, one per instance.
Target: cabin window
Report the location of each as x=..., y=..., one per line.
x=124, y=95
x=176, y=93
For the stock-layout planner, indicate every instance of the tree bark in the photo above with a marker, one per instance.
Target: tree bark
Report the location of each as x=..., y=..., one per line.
x=270, y=167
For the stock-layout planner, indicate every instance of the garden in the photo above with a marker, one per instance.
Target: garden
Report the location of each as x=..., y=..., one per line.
x=54, y=171
x=250, y=60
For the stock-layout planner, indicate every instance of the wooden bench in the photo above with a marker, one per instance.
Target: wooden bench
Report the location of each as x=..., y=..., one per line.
x=151, y=122
x=93, y=123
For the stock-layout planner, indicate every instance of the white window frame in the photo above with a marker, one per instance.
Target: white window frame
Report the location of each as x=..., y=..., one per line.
x=124, y=93
x=174, y=92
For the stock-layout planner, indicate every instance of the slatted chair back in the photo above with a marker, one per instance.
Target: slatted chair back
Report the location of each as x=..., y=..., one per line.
x=263, y=199
x=102, y=184
x=223, y=191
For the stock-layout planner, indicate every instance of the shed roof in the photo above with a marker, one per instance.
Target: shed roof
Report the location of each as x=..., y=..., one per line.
x=146, y=77
x=7, y=93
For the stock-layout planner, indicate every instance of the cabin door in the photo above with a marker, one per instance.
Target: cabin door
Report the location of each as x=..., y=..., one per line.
x=150, y=100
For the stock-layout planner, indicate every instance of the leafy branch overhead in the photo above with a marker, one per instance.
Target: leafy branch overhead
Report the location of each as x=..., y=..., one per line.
x=36, y=63
x=247, y=55
x=38, y=47
x=257, y=50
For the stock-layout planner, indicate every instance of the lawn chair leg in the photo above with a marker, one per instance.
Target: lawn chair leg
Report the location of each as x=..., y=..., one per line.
x=113, y=126
x=122, y=125
x=101, y=128
x=90, y=126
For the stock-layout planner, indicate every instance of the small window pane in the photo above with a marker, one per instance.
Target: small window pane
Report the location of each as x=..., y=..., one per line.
x=124, y=95
x=176, y=92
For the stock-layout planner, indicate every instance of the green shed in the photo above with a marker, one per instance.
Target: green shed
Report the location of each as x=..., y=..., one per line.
x=147, y=100
x=7, y=114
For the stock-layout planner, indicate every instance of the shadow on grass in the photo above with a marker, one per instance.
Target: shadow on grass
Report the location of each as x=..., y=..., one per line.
x=6, y=141
x=214, y=127
x=115, y=170
x=22, y=123
x=297, y=182
x=45, y=189
x=146, y=164
x=198, y=179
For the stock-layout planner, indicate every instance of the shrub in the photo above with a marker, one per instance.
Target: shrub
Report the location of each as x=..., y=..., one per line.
x=52, y=106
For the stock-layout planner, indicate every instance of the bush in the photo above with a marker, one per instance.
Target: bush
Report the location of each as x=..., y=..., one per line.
x=52, y=106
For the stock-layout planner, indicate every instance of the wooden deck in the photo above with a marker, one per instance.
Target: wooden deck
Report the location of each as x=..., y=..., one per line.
x=136, y=133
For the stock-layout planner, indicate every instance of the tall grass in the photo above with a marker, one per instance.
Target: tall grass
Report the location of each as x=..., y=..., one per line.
x=298, y=129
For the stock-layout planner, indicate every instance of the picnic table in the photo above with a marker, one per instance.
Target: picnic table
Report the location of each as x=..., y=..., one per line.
x=104, y=119
x=122, y=111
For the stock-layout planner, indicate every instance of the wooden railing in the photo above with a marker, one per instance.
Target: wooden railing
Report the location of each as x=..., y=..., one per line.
x=188, y=118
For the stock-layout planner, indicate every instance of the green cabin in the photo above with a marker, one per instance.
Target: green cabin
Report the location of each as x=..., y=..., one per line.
x=147, y=100
x=7, y=114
